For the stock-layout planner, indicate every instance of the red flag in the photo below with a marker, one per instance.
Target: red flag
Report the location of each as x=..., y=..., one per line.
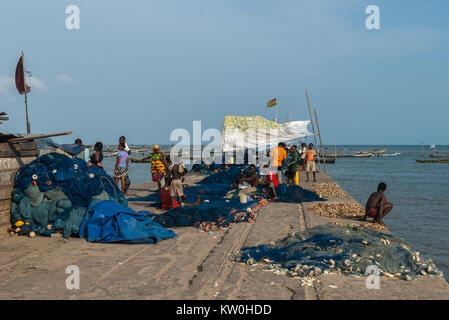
x=20, y=78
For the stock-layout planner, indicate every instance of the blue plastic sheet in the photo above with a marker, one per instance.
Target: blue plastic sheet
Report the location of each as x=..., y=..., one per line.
x=107, y=221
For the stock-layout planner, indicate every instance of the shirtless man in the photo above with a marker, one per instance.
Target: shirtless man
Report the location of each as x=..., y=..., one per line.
x=377, y=206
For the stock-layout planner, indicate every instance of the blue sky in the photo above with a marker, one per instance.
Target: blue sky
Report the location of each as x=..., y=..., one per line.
x=144, y=68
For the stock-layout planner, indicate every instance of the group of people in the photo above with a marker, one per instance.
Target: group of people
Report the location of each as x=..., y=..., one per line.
x=294, y=160
x=96, y=159
x=284, y=161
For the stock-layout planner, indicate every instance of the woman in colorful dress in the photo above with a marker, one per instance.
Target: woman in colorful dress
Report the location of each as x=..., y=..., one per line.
x=157, y=166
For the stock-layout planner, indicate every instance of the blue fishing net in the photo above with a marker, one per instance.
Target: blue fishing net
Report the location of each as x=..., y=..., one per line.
x=220, y=208
x=54, y=191
x=346, y=250
x=207, y=169
x=218, y=213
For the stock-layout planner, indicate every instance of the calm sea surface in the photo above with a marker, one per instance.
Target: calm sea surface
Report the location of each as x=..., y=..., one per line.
x=418, y=191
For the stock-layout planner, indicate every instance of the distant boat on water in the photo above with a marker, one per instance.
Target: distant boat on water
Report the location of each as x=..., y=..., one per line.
x=354, y=155
x=140, y=160
x=440, y=156
x=328, y=160
x=387, y=154
x=432, y=160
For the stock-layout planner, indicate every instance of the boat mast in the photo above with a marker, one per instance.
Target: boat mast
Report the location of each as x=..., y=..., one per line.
x=335, y=153
x=313, y=128
x=422, y=150
x=26, y=100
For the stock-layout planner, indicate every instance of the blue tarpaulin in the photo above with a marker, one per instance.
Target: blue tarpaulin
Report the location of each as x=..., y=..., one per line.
x=107, y=221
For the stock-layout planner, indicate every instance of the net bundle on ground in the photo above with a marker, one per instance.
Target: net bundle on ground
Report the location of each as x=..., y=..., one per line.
x=336, y=249
x=220, y=206
x=54, y=192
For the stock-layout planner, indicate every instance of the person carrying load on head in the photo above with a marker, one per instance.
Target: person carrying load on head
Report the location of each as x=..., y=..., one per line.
x=121, y=166
x=278, y=155
x=310, y=162
x=292, y=166
x=157, y=166
x=377, y=206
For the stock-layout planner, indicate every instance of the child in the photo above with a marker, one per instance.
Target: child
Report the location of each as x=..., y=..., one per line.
x=97, y=157
x=121, y=166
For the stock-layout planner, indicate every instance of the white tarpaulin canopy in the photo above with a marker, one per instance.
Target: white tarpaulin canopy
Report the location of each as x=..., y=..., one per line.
x=257, y=132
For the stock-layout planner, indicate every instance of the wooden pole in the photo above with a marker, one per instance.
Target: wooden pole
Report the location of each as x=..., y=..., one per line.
x=335, y=154
x=313, y=129
x=276, y=117
x=40, y=136
x=321, y=141
x=26, y=100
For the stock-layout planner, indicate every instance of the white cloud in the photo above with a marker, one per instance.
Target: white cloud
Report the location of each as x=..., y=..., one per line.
x=6, y=83
x=36, y=83
x=64, y=78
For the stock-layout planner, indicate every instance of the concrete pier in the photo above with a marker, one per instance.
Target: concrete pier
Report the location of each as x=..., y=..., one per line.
x=194, y=265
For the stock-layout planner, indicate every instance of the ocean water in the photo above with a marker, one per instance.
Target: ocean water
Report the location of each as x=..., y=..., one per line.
x=418, y=191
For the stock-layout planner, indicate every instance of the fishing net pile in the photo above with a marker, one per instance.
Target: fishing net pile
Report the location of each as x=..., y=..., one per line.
x=214, y=215
x=53, y=193
x=220, y=205
x=342, y=250
x=207, y=169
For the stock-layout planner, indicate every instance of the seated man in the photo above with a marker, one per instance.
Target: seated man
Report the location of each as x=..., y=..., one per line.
x=252, y=179
x=245, y=179
x=377, y=206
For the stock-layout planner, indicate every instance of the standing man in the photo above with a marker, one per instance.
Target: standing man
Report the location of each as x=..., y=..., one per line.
x=292, y=166
x=278, y=156
x=310, y=162
x=377, y=206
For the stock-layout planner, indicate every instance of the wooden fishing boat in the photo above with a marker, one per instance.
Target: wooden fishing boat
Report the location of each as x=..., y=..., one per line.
x=387, y=154
x=328, y=160
x=439, y=156
x=432, y=160
x=140, y=160
x=381, y=151
x=110, y=154
x=362, y=155
x=354, y=155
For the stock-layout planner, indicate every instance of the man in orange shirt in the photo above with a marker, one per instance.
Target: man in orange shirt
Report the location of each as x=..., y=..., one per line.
x=310, y=162
x=278, y=156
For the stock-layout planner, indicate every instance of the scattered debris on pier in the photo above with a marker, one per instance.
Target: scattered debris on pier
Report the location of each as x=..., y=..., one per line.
x=338, y=210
